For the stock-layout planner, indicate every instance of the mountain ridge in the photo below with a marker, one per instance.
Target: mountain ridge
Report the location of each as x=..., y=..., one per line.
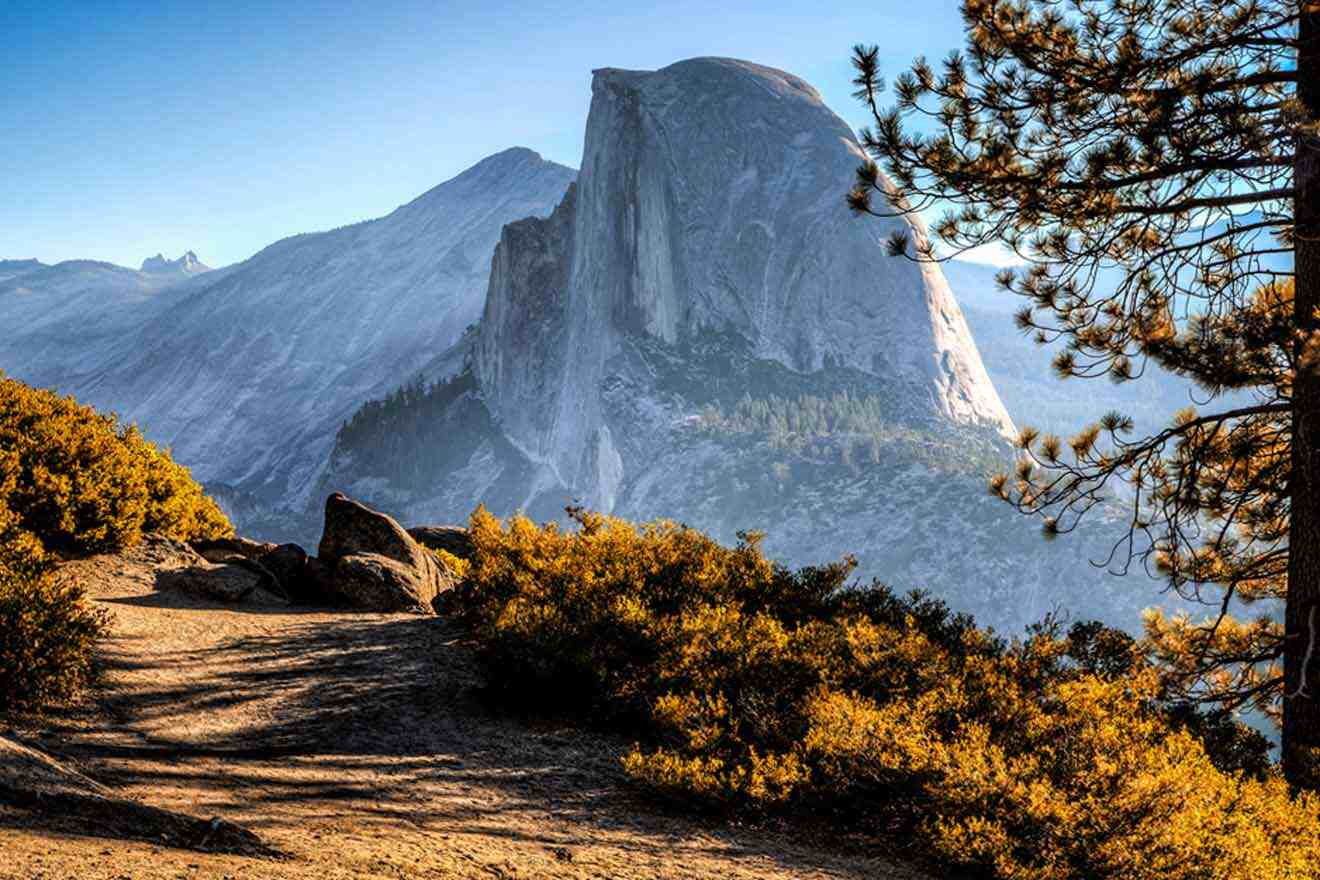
x=247, y=371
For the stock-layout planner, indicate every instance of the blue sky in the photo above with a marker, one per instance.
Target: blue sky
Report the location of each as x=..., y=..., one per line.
x=132, y=128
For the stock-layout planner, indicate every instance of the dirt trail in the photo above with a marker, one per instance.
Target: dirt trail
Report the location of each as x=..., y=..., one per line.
x=352, y=744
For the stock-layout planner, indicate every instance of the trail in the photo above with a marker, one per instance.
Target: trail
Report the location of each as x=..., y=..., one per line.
x=354, y=745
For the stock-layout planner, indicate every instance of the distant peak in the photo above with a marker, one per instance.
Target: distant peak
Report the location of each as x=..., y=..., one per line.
x=510, y=159
x=511, y=167
x=188, y=263
x=501, y=163
x=517, y=153
x=506, y=158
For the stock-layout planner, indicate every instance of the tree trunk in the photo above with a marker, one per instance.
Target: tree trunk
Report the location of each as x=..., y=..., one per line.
x=1301, y=666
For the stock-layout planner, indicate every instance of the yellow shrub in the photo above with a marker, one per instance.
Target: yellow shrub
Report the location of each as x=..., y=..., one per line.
x=73, y=481
x=79, y=483
x=21, y=554
x=456, y=565
x=176, y=506
x=748, y=685
x=47, y=633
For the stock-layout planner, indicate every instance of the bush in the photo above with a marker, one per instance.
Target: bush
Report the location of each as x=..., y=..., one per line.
x=79, y=483
x=72, y=482
x=48, y=635
x=757, y=688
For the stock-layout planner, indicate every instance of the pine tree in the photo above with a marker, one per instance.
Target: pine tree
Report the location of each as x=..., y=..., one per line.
x=1155, y=163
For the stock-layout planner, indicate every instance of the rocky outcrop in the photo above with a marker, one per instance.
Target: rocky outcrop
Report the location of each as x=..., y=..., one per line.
x=227, y=582
x=173, y=566
x=297, y=576
x=521, y=354
x=225, y=576
x=374, y=564
x=366, y=562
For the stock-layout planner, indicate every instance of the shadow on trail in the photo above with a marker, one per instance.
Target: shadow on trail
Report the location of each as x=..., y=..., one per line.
x=373, y=718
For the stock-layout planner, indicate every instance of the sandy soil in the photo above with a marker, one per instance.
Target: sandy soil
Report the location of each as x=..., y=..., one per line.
x=354, y=746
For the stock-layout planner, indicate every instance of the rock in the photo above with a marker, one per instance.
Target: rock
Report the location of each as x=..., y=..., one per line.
x=29, y=774
x=267, y=579
x=719, y=234
x=222, y=549
x=376, y=565
x=321, y=582
x=377, y=583
x=34, y=780
x=451, y=539
x=160, y=552
x=288, y=562
x=225, y=582
x=300, y=576
x=165, y=565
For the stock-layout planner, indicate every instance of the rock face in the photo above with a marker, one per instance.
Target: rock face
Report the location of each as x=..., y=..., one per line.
x=521, y=351
x=710, y=200
x=374, y=564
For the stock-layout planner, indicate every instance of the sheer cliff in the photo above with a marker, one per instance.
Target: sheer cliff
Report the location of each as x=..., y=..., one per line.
x=709, y=201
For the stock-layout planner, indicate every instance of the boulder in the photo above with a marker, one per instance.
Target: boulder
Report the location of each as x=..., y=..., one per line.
x=223, y=549
x=41, y=783
x=321, y=579
x=267, y=579
x=300, y=576
x=451, y=539
x=378, y=583
x=159, y=552
x=222, y=582
x=288, y=562
x=374, y=563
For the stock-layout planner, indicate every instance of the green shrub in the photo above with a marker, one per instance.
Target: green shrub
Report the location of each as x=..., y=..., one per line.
x=79, y=483
x=757, y=688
